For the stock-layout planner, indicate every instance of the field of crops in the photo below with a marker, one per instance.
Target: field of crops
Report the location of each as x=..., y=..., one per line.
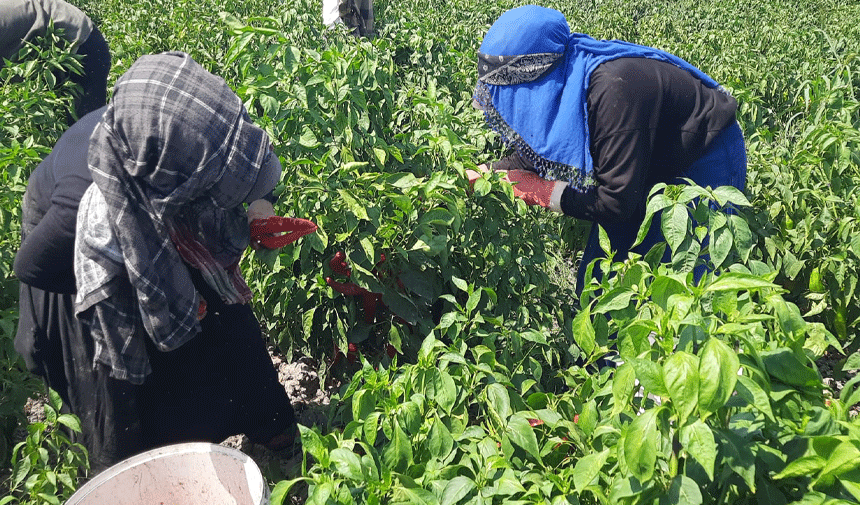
x=473, y=377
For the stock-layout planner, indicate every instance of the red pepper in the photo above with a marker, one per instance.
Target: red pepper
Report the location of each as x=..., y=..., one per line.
x=338, y=264
x=264, y=231
x=346, y=288
x=391, y=351
x=535, y=422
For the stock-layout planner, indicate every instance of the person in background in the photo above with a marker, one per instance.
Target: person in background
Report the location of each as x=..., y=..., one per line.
x=132, y=305
x=23, y=20
x=357, y=15
x=595, y=124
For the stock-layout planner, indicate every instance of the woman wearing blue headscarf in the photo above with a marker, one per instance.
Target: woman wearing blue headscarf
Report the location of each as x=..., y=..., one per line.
x=595, y=124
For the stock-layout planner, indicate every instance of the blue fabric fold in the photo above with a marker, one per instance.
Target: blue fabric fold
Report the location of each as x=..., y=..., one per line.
x=546, y=119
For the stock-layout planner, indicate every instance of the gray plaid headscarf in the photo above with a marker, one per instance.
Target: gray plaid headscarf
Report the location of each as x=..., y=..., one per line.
x=172, y=161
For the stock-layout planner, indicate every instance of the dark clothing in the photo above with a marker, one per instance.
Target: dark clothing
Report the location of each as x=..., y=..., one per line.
x=50, y=209
x=723, y=164
x=218, y=384
x=24, y=20
x=93, y=81
x=648, y=121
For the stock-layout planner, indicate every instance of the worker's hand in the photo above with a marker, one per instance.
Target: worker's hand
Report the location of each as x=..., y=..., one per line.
x=534, y=190
x=474, y=175
x=260, y=209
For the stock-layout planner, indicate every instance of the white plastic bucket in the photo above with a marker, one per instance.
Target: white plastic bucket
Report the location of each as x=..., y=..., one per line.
x=182, y=474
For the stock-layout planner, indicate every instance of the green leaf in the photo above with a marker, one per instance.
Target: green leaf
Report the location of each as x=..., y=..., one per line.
x=460, y=284
x=681, y=376
x=721, y=246
x=54, y=400
x=347, y=463
x=640, y=445
x=413, y=495
x=380, y=156
x=521, y=433
x=735, y=454
x=534, y=336
x=588, y=468
x=615, y=299
x=357, y=209
x=438, y=216
x=650, y=375
x=473, y=301
x=49, y=498
x=675, y=223
x=622, y=387
x=843, y=459
x=70, y=421
x=457, y=488
x=718, y=374
x=698, y=440
x=437, y=385
x=397, y=454
x=21, y=471
x=783, y=365
x=742, y=236
x=308, y=138
x=363, y=403
x=439, y=440
x=281, y=490
x=482, y=187
x=754, y=395
x=371, y=427
x=499, y=401
x=730, y=194
x=583, y=332
x=313, y=444
x=788, y=316
x=603, y=240
x=801, y=467
x=736, y=281
x=663, y=288
x=684, y=490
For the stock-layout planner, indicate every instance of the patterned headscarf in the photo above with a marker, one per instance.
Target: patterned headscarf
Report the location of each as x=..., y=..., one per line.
x=533, y=77
x=172, y=161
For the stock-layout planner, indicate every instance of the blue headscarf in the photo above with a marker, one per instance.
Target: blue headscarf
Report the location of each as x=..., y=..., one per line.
x=533, y=77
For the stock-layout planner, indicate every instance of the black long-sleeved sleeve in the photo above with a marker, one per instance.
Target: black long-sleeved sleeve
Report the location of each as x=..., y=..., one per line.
x=45, y=259
x=648, y=121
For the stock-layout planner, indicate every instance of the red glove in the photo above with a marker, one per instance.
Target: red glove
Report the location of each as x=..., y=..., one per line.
x=534, y=190
x=276, y=231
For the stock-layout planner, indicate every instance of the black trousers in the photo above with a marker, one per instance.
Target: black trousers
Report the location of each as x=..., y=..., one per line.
x=221, y=383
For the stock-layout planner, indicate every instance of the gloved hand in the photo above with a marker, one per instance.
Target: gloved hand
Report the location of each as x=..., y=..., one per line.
x=534, y=190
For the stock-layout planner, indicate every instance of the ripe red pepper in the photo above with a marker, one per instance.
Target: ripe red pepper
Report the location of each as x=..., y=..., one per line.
x=264, y=231
x=391, y=351
x=338, y=264
x=346, y=288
